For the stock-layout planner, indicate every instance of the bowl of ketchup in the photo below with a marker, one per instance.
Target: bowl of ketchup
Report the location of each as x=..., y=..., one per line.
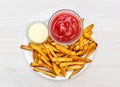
x=65, y=26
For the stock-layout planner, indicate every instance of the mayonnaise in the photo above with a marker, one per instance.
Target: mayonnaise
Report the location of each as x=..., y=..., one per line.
x=38, y=32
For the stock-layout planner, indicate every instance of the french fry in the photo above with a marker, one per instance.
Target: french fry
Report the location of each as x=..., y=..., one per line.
x=86, y=35
x=53, y=43
x=49, y=40
x=57, y=63
x=90, y=33
x=41, y=63
x=45, y=72
x=85, y=42
x=66, y=56
x=75, y=72
x=51, y=50
x=63, y=71
x=49, y=54
x=92, y=45
x=60, y=54
x=81, y=43
x=64, y=46
x=65, y=50
x=88, y=28
x=72, y=46
x=76, y=43
x=42, y=47
x=76, y=48
x=34, y=64
x=38, y=48
x=35, y=56
x=90, y=52
x=79, y=59
x=84, y=50
x=86, y=60
x=74, y=67
x=45, y=60
x=56, y=69
x=26, y=47
x=71, y=63
x=61, y=59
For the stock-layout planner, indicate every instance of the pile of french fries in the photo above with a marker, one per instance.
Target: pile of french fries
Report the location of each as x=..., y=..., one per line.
x=54, y=59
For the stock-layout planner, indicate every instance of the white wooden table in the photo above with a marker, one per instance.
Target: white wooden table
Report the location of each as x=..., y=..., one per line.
x=105, y=68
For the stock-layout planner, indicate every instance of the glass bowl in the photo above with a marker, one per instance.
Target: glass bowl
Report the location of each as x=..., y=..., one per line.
x=65, y=26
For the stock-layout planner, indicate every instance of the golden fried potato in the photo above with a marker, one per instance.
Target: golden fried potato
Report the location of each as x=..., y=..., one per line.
x=86, y=35
x=42, y=64
x=63, y=71
x=45, y=72
x=92, y=46
x=34, y=64
x=38, y=48
x=73, y=67
x=35, y=56
x=50, y=49
x=56, y=69
x=81, y=43
x=75, y=72
x=71, y=63
x=76, y=48
x=61, y=59
x=26, y=47
x=45, y=60
x=85, y=48
x=90, y=52
x=65, y=50
x=90, y=33
x=88, y=28
x=49, y=40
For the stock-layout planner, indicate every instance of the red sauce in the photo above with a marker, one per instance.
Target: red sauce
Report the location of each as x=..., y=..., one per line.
x=65, y=27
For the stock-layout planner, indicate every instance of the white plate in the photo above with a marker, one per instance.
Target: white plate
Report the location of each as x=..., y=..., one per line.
x=44, y=17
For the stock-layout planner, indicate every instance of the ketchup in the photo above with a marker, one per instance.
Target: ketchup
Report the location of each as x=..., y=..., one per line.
x=65, y=27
